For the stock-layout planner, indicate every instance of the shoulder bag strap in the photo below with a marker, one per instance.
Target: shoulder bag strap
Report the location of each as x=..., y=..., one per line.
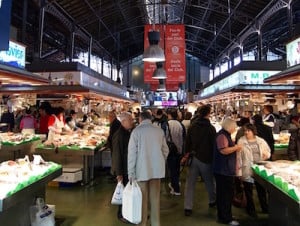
x=170, y=136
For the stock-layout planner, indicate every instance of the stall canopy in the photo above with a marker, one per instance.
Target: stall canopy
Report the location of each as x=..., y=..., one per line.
x=257, y=93
x=63, y=92
x=289, y=76
x=245, y=78
x=18, y=77
x=69, y=79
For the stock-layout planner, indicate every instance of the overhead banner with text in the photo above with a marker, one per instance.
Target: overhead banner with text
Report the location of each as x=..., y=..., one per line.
x=175, y=53
x=172, y=40
x=149, y=67
x=169, y=86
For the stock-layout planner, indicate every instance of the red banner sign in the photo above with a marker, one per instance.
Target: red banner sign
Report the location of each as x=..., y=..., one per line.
x=172, y=40
x=169, y=86
x=149, y=67
x=175, y=53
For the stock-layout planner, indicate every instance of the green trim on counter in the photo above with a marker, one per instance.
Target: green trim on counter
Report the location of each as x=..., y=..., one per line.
x=25, y=141
x=277, y=181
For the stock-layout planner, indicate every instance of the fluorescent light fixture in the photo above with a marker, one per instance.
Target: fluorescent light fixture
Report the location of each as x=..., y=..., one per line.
x=161, y=85
x=159, y=72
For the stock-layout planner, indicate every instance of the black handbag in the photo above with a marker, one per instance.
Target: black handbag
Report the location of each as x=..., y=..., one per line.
x=172, y=147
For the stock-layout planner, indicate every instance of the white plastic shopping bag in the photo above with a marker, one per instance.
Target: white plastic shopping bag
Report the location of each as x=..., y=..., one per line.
x=132, y=203
x=42, y=214
x=118, y=193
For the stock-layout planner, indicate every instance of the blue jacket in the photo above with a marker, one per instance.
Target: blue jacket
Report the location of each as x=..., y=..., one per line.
x=224, y=164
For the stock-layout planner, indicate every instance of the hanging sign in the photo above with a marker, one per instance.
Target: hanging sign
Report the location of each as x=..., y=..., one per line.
x=293, y=52
x=14, y=56
x=169, y=86
x=237, y=78
x=175, y=53
x=149, y=67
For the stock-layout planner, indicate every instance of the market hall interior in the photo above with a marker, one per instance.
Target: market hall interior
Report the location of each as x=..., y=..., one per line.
x=90, y=206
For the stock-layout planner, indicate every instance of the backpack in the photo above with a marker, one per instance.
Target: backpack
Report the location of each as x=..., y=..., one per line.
x=162, y=124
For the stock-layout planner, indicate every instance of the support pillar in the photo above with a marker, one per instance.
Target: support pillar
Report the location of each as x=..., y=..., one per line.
x=41, y=28
x=24, y=20
x=90, y=51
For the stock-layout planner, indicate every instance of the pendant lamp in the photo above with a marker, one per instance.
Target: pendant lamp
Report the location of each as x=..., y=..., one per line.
x=154, y=53
x=159, y=72
x=161, y=85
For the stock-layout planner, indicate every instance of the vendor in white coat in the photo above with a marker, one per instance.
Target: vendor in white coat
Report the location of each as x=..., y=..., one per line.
x=56, y=124
x=254, y=149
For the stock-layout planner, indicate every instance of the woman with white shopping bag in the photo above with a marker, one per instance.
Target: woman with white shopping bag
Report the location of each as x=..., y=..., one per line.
x=147, y=154
x=120, y=141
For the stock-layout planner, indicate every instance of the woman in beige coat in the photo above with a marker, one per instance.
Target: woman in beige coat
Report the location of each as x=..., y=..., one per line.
x=254, y=149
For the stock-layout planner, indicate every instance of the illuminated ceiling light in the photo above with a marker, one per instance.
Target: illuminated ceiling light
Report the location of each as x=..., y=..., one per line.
x=159, y=72
x=290, y=104
x=161, y=85
x=154, y=53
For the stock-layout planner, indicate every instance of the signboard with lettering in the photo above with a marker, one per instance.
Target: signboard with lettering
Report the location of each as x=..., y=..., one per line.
x=14, y=56
x=237, y=78
x=175, y=53
x=293, y=52
x=172, y=40
x=149, y=67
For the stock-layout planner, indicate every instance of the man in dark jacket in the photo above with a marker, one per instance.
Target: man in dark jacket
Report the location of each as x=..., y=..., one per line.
x=114, y=125
x=264, y=132
x=119, y=156
x=200, y=141
x=161, y=120
x=294, y=142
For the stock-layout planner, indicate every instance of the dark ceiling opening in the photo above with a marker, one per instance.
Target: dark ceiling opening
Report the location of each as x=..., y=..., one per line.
x=214, y=28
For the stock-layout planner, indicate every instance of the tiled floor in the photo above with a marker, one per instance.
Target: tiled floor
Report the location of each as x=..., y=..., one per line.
x=90, y=206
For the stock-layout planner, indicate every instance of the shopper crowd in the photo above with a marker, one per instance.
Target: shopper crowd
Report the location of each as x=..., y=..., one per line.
x=221, y=157
x=138, y=141
x=45, y=119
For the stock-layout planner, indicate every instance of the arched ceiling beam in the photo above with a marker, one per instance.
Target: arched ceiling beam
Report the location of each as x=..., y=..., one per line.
x=224, y=25
x=117, y=2
x=57, y=11
x=251, y=28
x=101, y=21
x=203, y=18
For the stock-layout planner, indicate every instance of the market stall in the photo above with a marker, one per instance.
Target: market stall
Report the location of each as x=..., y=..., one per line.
x=281, y=179
x=76, y=150
x=17, y=145
x=21, y=183
x=281, y=145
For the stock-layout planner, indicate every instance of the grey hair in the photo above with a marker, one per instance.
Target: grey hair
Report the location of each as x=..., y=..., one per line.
x=229, y=124
x=124, y=115
x=145, y=115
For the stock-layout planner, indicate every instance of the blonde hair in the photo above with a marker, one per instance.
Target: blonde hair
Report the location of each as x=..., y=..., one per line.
x=229, y=124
